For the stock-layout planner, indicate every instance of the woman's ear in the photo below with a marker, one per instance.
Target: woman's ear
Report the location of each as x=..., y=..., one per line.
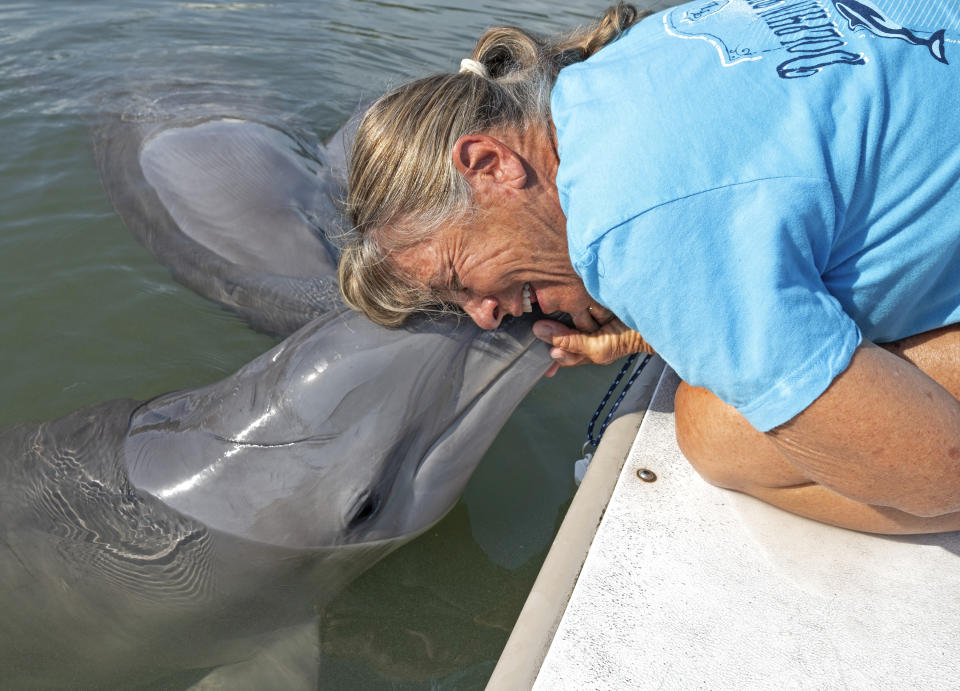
x=485, y=160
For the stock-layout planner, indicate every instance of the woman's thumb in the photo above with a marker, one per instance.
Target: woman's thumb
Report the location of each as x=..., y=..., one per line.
x=558, y=335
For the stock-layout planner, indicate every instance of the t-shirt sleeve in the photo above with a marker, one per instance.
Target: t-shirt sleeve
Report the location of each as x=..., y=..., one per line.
x=726, y=286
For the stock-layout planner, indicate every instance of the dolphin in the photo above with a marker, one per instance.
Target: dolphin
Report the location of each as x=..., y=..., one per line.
x=241, y=206
x=162, y=539
x=194, y=526
x=864, y=15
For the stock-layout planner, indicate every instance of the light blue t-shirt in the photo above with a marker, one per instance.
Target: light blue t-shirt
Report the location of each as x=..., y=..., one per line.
x=754, y=184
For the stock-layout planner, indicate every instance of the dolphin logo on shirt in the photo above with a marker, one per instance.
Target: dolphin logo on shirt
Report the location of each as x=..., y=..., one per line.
x=863, y=15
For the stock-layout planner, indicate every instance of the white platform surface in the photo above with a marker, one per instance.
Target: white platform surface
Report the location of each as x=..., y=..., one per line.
x=687, y=586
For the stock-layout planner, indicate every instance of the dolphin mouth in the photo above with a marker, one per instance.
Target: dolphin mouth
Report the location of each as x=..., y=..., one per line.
x=536, y=313
x=481, y=394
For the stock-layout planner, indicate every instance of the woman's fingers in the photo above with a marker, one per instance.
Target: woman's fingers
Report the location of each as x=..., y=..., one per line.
x=592, y=318
x=585, y=321
x=607, y=343
x=567, y=358
x=601, y=314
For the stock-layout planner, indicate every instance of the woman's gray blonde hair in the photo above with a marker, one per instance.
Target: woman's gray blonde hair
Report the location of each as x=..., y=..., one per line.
x=403, y=185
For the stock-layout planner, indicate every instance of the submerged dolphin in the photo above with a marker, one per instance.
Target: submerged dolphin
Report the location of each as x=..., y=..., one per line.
x=864, y=15
x=159, y=539
x=240, y=206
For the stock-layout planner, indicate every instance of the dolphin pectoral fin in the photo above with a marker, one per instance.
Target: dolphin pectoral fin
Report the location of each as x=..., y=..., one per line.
x=937, y=46
x=290, y=662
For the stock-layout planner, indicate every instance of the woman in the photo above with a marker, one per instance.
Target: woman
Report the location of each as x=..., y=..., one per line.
x=762, y=190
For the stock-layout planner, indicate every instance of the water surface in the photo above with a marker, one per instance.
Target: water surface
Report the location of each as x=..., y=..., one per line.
x=89, y=315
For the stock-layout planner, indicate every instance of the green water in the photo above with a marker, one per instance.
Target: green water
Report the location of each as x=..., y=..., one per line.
x=88, y=315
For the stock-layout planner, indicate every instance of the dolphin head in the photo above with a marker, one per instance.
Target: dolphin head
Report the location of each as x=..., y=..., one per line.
x=344, y=433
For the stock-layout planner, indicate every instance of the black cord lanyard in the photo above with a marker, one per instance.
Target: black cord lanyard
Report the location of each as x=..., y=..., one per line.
x=595, y=441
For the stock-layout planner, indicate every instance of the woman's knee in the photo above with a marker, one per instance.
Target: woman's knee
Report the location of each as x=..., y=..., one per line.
x=704, y=435
x=724, y=448
x=728, y=452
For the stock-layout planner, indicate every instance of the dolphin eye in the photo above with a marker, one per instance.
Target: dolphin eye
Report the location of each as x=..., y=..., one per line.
x=366, y=508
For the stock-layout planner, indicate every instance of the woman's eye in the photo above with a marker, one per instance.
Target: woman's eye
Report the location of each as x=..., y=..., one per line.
x=456, y=286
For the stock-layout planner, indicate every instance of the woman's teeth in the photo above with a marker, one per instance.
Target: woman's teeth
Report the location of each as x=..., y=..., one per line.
x=527, y=304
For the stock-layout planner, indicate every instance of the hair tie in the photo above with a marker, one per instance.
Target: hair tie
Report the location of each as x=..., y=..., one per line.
x=471, y=65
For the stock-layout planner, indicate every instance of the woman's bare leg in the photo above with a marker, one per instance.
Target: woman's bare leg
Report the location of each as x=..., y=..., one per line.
x=728, y=452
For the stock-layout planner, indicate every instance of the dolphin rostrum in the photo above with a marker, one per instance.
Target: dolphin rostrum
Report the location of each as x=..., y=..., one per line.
x=162, y=539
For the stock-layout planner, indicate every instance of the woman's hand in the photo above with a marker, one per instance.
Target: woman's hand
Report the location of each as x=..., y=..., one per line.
x=610, y=342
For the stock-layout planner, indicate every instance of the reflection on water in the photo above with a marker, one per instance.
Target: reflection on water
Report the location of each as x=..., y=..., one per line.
x=89, y=316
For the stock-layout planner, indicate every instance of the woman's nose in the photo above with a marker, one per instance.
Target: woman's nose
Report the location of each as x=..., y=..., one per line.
x=485, y=312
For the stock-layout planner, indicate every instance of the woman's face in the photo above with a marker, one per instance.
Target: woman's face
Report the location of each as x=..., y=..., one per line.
x=507, y=257
x=512, y=251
